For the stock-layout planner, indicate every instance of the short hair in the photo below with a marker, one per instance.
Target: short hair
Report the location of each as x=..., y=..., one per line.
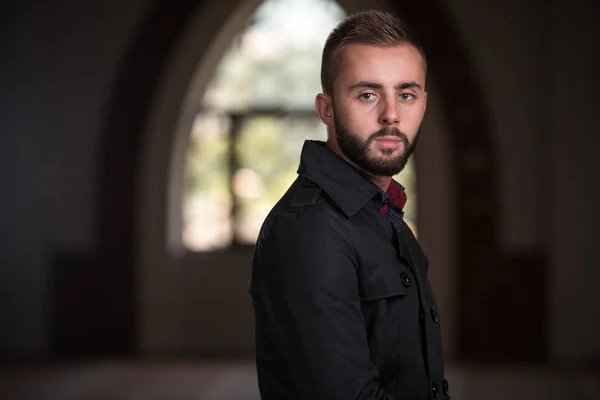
x=371, y=27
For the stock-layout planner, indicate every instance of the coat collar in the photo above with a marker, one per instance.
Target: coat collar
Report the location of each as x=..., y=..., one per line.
x=346, y=186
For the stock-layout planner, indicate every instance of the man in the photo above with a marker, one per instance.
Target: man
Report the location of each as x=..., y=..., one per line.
x=343, y=306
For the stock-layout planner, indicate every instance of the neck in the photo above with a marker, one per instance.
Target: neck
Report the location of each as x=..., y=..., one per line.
x=382, y=181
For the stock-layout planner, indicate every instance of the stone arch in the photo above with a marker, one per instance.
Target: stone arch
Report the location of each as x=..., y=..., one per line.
x=133, y=107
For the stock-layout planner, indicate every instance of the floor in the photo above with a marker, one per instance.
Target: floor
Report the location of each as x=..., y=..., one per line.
x=232, y=380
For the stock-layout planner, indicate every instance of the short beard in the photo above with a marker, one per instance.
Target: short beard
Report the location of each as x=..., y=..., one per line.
x=357, y=151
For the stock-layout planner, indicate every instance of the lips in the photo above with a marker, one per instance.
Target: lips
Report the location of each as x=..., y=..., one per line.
x=389, y=139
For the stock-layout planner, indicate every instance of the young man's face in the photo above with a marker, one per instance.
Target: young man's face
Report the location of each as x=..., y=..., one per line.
x=378, y=103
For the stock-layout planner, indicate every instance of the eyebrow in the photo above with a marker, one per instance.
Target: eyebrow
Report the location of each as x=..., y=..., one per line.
x=375, y=85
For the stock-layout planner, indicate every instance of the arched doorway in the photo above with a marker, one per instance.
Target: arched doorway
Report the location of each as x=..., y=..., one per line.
x=249, y=126
x=145, y=108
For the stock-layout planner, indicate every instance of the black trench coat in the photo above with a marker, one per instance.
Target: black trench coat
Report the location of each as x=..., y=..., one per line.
x=343, y=306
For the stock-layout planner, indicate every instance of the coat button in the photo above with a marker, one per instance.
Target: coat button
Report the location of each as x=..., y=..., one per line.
x=435, y=389
x=446, y=388
x=405, y=279
x=434, y=314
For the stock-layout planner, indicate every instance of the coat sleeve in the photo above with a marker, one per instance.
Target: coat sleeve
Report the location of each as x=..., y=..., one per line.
x=313, y=292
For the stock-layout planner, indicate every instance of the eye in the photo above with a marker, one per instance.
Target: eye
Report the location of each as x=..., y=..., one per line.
x=407, y=96
x=366, y=96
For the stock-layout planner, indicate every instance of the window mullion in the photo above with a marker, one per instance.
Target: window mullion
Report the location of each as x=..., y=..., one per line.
x=237, y=119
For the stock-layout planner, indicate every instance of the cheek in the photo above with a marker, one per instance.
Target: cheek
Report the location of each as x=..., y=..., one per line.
x=411, y=120
x=362, y=127
x=362, y=120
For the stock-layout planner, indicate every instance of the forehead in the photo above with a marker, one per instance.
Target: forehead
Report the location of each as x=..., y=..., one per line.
x=359, y=62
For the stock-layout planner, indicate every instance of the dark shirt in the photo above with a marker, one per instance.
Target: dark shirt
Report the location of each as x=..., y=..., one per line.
x=343, y=307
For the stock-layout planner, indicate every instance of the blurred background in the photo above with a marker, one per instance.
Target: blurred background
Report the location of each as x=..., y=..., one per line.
x=144, y=141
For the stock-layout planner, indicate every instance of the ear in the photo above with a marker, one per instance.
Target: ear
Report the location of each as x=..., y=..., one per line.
x=424, y=105
x=324, y=107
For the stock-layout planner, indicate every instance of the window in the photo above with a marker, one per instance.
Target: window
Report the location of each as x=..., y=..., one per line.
x=257, y=112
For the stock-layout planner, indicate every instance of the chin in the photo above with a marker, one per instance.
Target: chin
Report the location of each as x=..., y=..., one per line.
x=387, y=154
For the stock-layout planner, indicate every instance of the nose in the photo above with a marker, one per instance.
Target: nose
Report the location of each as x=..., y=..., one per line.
x=389, y=112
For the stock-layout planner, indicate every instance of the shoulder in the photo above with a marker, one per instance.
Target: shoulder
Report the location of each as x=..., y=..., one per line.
x=304, y=216
x=304, y=239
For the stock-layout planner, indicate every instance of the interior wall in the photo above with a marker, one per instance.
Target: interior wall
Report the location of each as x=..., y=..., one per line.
x=504, y=38
x=436, y=187
x=61, y=58
x=539, y=78
x=177, y=299
x=571, y=125
x=506, y=46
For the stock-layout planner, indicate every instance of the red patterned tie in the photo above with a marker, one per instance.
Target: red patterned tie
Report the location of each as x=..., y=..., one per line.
x=396, y=196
